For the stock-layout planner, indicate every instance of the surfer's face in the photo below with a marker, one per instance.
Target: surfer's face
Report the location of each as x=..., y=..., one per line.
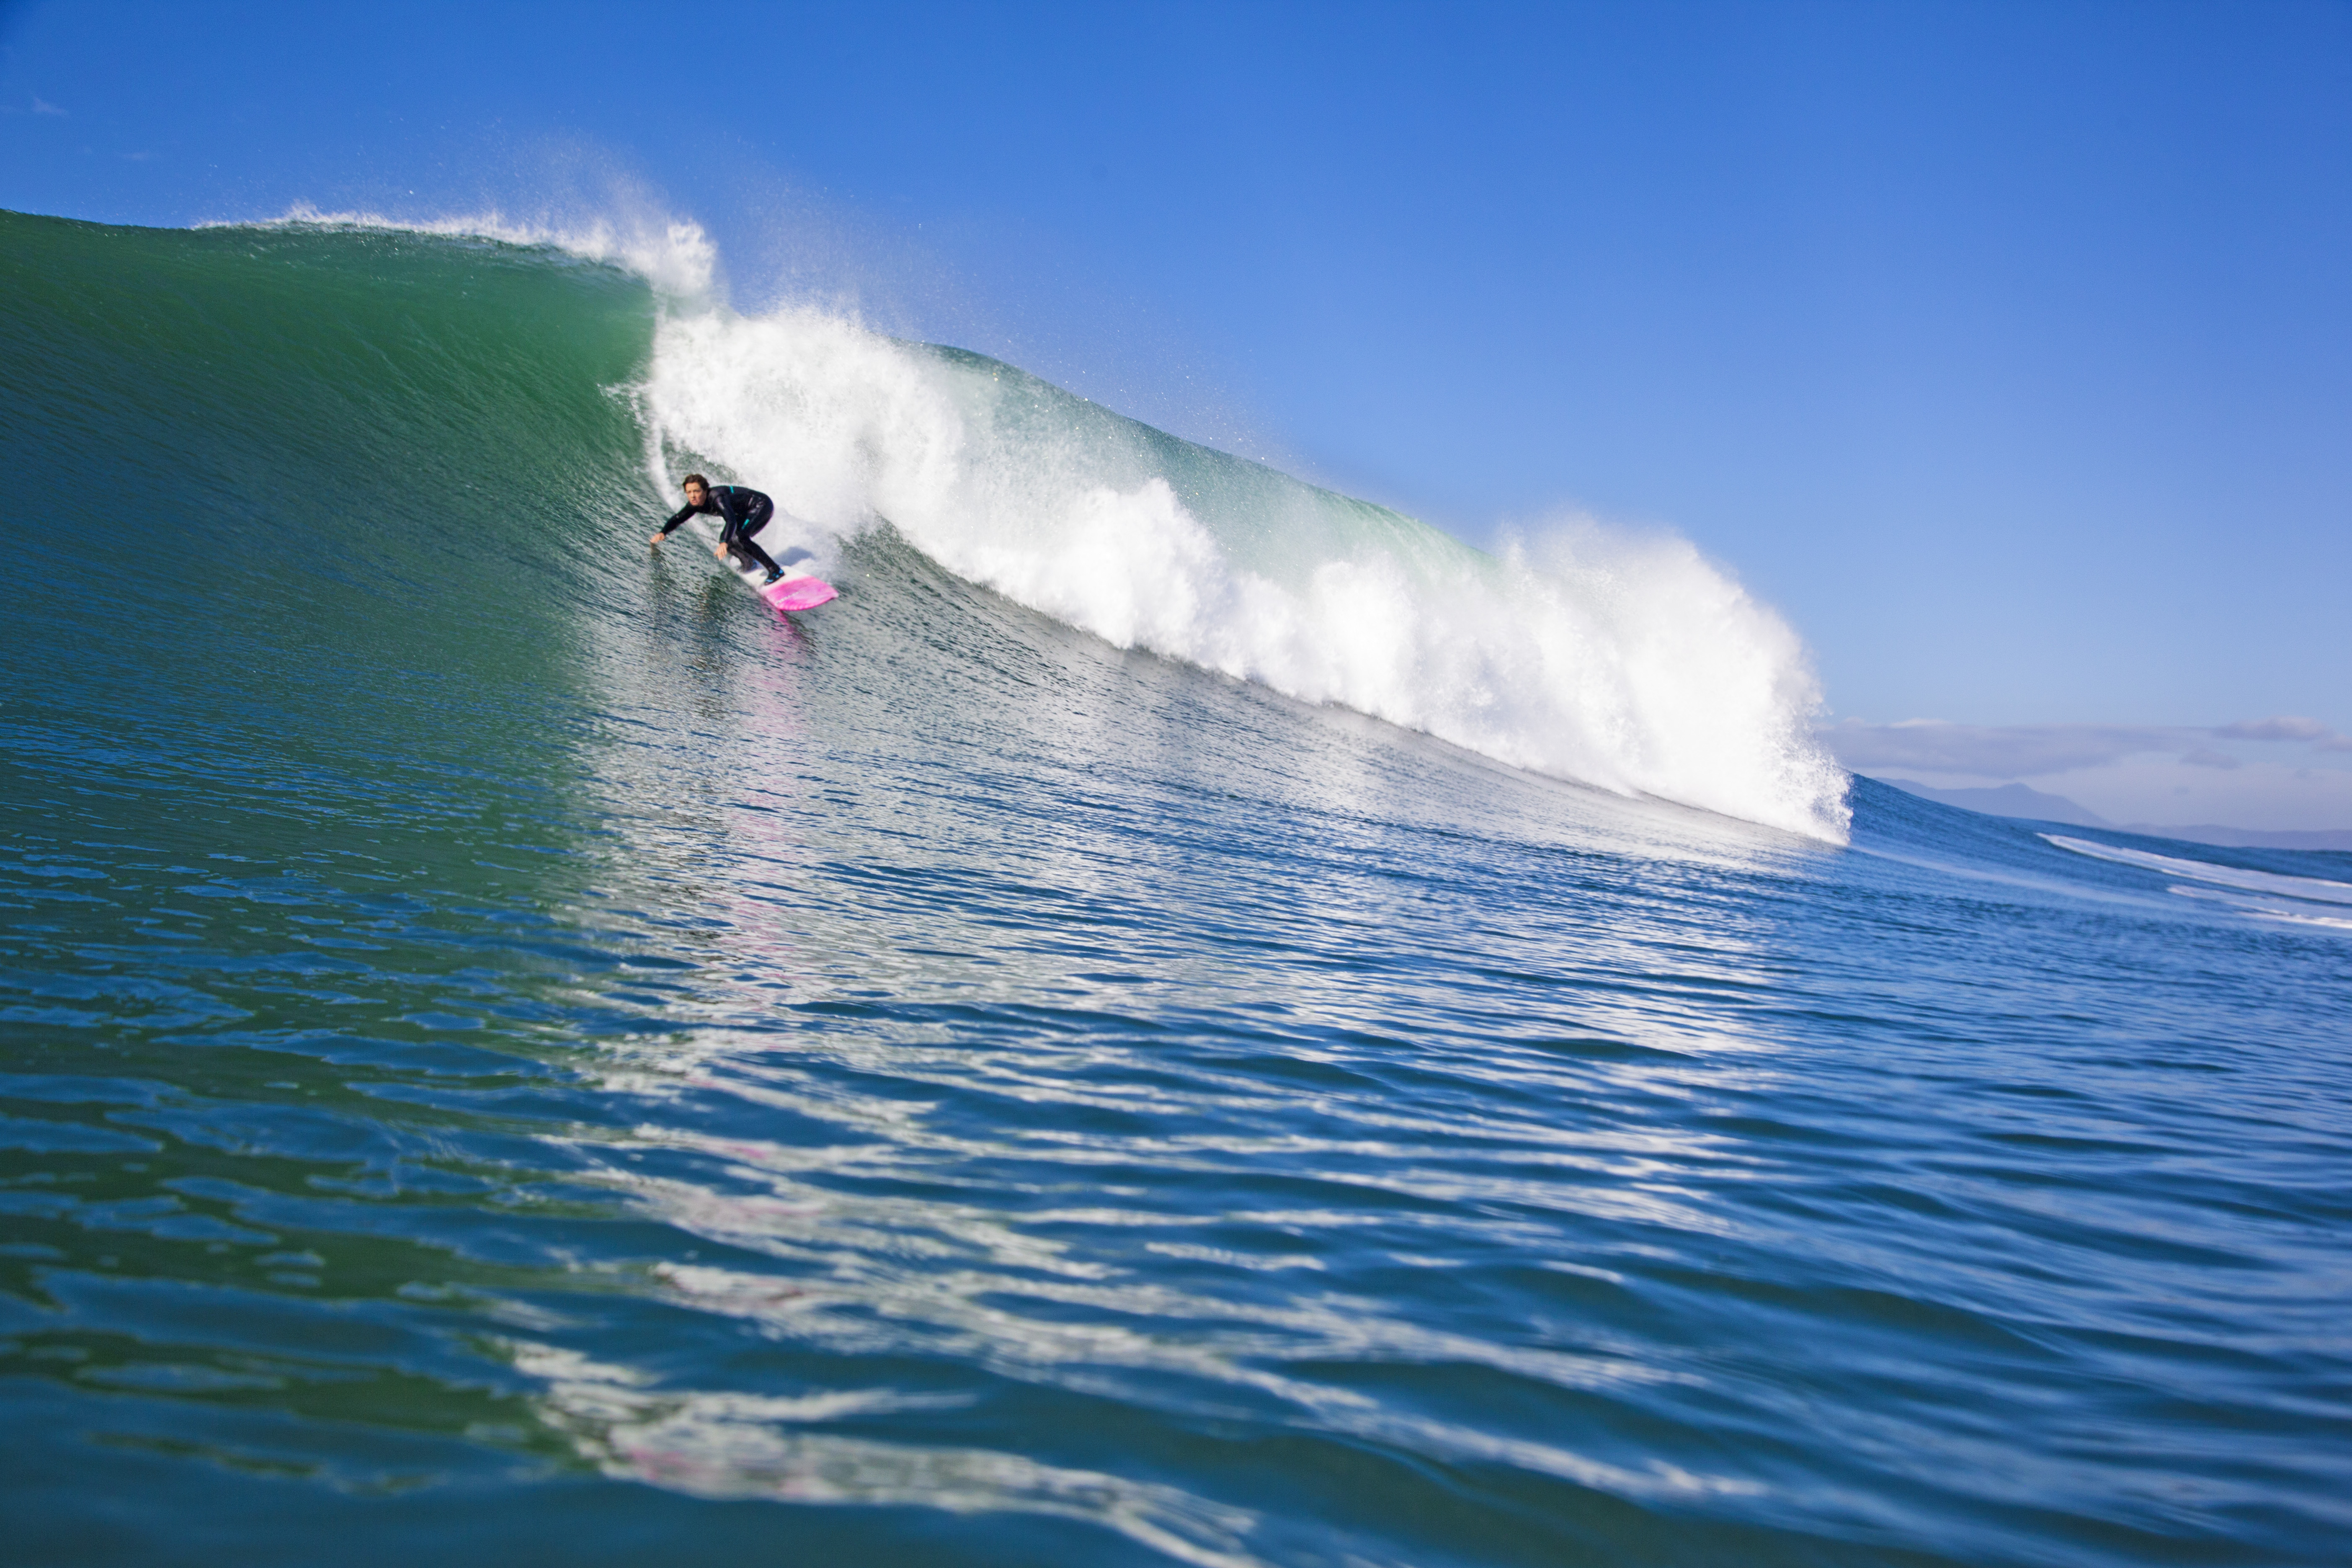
x=696, y=495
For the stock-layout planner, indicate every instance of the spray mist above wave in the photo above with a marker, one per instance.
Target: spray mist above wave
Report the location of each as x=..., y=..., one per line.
x=1630, y=663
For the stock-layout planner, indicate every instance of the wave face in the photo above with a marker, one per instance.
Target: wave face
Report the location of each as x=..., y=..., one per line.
x=1631, y=663
x=511, y=1051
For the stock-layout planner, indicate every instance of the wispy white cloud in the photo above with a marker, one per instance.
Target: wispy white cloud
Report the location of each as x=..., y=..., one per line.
x=41, y=106
x=2286, y=727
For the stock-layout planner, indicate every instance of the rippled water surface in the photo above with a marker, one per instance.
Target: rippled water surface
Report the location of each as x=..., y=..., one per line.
x=518, y=1053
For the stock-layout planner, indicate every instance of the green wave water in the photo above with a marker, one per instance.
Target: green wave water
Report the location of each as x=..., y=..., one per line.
x=509, y=1050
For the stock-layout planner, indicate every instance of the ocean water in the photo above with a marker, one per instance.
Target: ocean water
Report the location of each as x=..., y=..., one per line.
x=1185, y=1020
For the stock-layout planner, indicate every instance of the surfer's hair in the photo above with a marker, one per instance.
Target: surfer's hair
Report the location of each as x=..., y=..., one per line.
x=693, y=479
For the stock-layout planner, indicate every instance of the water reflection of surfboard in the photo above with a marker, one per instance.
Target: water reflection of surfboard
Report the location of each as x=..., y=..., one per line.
x=795, y=590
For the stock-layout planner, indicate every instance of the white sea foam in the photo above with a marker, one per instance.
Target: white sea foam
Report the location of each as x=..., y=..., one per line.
x=1630, y=662
x=2309, y=889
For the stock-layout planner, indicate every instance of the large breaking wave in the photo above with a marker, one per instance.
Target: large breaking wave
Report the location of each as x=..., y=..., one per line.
x=1626, y=661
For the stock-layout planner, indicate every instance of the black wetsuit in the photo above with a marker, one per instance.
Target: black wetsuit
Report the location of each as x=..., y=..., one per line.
x=743, y=512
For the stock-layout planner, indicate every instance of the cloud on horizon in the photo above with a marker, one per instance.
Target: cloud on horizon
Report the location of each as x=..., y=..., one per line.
x=2286, y=727
x=2028, y=751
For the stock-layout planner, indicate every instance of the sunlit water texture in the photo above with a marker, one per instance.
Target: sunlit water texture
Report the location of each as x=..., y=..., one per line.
x=512, y=1052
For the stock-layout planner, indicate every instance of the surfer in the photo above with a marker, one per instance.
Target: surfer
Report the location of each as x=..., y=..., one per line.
x=742, y=513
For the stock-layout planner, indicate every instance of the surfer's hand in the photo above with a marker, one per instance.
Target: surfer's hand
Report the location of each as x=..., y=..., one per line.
x=659, y=537
x=720, y=550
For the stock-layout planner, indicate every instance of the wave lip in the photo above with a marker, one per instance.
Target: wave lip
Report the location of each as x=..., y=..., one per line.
x=1629, y=663
x=676, y=256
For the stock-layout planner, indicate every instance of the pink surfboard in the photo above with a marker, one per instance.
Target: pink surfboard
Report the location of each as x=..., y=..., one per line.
x=801, y=593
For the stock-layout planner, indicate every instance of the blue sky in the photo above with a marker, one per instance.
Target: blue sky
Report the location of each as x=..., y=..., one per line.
x=2007, y=348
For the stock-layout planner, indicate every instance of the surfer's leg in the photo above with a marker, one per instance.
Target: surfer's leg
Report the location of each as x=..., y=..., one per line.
x=751, y=525
x=749, y=552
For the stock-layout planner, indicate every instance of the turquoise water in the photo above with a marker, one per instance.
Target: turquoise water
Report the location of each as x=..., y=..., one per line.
x=509, y=1050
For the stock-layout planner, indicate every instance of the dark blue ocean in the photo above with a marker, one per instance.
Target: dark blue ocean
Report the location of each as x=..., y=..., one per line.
x=1181, y=1020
